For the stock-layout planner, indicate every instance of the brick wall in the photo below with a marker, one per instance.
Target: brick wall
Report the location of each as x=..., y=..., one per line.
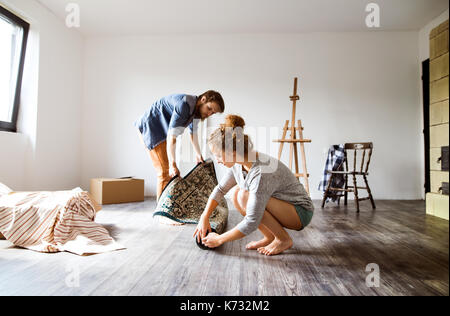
x=438, y=204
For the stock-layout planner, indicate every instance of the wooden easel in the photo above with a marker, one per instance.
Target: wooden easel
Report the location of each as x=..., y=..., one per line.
x=294, y=141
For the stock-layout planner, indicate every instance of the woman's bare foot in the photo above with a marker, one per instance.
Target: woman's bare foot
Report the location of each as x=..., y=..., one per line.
x=276, y=247
x=258, y=244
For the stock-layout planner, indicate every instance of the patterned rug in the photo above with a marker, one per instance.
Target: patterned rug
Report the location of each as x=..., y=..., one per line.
x=184, y=199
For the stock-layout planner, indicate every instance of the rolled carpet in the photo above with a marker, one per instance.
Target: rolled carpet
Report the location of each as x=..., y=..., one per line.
x=184, y=199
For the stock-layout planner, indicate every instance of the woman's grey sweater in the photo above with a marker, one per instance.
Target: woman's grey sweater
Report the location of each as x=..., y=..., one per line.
x=267, y=178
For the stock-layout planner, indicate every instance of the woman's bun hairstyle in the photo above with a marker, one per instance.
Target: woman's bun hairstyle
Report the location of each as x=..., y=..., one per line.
x=233, y=129
x=233, y=121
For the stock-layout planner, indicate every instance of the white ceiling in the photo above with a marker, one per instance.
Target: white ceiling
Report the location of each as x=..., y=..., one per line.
x=138, y=17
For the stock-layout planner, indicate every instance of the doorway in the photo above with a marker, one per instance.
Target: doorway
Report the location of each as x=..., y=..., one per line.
x=426, y=120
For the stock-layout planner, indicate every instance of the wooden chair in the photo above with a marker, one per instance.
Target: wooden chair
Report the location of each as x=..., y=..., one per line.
x=359, y=169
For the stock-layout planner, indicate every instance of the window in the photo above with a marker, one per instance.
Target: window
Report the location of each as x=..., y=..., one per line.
x=13, y=42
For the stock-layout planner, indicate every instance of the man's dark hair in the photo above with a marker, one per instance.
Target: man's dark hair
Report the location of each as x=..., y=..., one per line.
x=214, y=96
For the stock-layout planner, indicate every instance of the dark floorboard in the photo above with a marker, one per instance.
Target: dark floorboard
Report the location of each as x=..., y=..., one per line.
x=328, y=258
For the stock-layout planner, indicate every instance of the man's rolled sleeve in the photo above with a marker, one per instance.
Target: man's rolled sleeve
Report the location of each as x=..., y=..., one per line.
x=179, y=119
x=193, y=127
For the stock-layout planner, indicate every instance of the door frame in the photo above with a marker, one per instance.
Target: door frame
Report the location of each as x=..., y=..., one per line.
x=426, y=120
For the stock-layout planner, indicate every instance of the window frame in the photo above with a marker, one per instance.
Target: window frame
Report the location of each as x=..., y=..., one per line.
x=12, y=126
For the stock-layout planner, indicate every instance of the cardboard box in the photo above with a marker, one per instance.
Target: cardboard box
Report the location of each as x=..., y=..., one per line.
x=115, y=191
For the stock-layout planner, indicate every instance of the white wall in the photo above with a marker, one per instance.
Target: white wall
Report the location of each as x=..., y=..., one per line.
x=354, y=87
x=45, y=155
x=12, y=159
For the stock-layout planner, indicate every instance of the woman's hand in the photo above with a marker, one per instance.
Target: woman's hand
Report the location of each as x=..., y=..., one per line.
x=213, y=240
x=203, y=228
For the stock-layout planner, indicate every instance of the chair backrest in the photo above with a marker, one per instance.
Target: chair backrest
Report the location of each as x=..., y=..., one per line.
x=362, y=164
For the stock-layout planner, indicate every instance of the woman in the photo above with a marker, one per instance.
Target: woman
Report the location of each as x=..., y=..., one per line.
x=268, y=194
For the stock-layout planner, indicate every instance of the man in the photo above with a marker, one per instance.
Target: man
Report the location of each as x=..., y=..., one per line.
x=167, y=119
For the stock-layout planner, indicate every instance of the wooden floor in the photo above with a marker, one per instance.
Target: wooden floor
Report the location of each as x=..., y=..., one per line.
x=328, y=258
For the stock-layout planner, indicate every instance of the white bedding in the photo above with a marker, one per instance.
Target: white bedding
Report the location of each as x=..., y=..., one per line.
x=4, y=189
x=53, y=222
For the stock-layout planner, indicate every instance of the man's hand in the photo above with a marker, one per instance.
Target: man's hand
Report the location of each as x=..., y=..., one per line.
x=173, y=171
x=199, y=159
x=194, y=140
